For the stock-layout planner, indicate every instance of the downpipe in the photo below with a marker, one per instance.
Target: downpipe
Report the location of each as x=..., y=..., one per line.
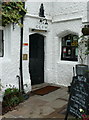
x=21, y=52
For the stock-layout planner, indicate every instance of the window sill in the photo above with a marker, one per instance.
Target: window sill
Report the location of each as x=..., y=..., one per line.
x=67, y=62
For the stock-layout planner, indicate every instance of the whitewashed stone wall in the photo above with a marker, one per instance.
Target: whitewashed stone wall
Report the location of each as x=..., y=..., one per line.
x=10, y=61
x=67, y=17
x=64, y=69
x=68, y=10
x=63, y=18
x=33, y=8
x=30, y=22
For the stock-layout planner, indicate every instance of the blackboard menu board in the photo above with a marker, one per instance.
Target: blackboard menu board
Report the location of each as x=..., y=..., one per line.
x=79, y=96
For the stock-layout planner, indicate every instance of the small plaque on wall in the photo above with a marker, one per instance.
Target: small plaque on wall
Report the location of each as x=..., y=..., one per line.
x=25, y=56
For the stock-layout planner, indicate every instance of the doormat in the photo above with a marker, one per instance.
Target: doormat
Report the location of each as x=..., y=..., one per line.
x=45, y=90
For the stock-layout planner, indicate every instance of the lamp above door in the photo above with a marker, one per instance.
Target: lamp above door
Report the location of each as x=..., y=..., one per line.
x=41, y=10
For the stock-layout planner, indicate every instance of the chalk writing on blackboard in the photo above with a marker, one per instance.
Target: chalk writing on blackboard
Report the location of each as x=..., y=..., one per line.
x=82, y=78
x=79, y=96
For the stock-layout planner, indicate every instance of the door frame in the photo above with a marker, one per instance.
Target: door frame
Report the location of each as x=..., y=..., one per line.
x=44, y=52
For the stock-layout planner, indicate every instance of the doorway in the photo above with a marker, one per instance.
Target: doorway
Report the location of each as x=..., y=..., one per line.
x=36, y=58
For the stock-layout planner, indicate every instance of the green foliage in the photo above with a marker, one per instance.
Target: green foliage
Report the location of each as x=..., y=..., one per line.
x=12, y=12
x=11, y=91
x=14, y=101
x=12, y=97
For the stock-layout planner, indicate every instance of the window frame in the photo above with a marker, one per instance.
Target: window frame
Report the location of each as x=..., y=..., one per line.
x=2, y=51
x=73, y=57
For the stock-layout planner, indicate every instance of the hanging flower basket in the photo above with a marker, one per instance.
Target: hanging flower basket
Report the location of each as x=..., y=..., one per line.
x=85, y=31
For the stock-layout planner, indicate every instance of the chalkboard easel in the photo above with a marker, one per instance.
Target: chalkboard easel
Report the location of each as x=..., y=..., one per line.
x=79, y=97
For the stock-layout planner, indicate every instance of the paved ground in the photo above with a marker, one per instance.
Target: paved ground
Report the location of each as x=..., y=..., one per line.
x=52, y=105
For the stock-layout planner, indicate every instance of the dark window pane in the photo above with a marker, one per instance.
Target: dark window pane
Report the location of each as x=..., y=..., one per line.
x=1, y=43
x=69, y=48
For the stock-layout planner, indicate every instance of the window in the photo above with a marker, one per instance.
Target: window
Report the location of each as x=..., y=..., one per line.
x=70, y=48
x=1, y=43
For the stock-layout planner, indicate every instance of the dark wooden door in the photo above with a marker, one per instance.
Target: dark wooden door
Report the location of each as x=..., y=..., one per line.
x=36, y=60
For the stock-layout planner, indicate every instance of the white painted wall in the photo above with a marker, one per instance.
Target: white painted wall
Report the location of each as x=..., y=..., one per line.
x=64, y=69
x=67, y=10
x=10, y=61
x=67, y=17
x=58, y=10
x=33, y=8
x=29, y=23
x=63, y=18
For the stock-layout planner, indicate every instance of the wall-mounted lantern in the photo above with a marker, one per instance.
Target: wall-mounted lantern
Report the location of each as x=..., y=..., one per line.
x=41, y=10
x=41, y=14
x=43, y=21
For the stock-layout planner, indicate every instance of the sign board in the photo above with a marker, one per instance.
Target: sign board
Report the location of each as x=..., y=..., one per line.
x=40, y=26
x=79, y=97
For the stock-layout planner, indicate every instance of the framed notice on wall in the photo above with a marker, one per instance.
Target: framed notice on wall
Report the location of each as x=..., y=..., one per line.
x=25, y=56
